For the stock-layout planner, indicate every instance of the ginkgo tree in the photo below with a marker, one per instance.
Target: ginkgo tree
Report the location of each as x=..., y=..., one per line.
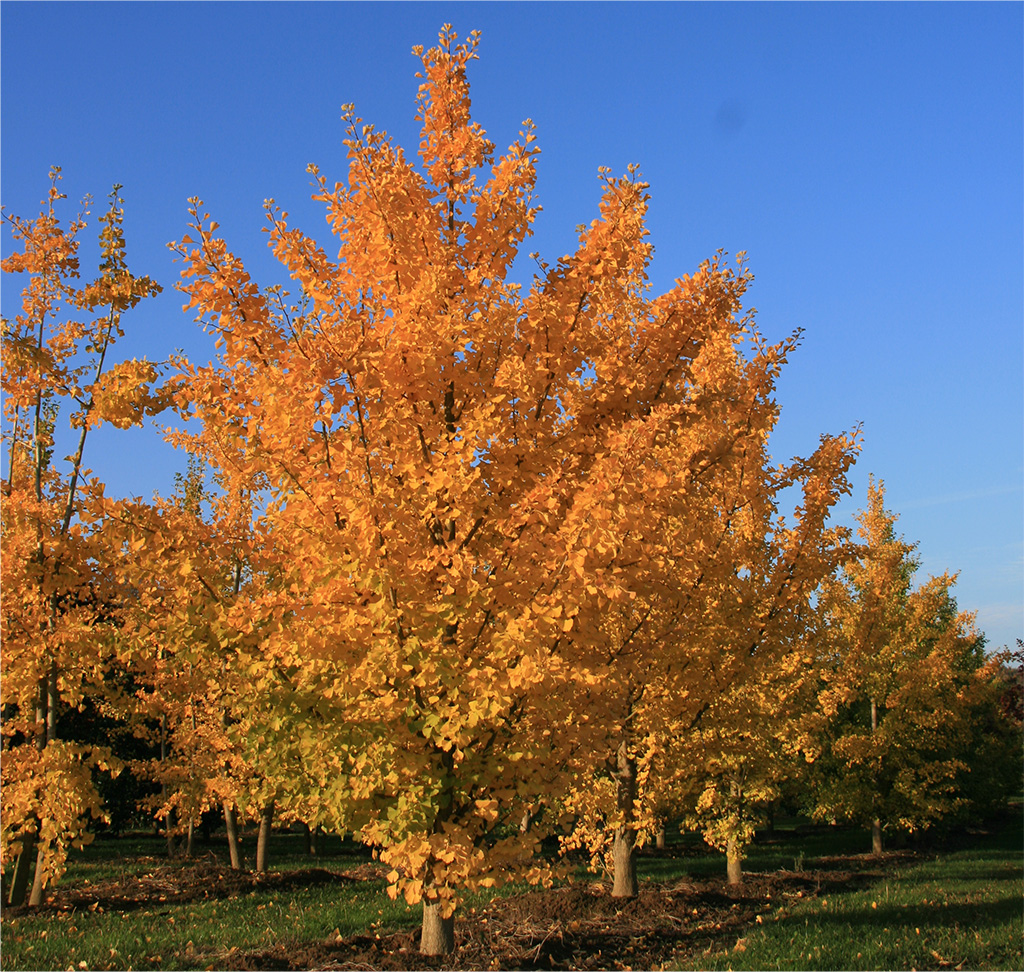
x=60, y=597
x=177, y=644
x=464, y=480
x=713, y=642
x=900, y=673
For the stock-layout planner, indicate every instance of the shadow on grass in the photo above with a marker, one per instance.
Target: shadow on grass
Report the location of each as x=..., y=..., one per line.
x=983, y=914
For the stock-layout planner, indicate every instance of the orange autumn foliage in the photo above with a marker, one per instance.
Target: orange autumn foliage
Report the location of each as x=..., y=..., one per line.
x=488, y=505
x=60, y=598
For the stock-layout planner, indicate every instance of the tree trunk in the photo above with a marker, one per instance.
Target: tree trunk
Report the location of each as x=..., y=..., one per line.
x=311, y=835
x=876, y=823
x=48, y=705
x=36, y=897
x=22, y=870
x=170, y=826
x=525, y=820
x=231, y=825
x=263, y=841
x=45, y=729
x=734, y=861
x=51, y=704
x=624, y=884
x=438, y=937
x=191, y=838
x=170, y=819
x=659, y=838
x=733, y=848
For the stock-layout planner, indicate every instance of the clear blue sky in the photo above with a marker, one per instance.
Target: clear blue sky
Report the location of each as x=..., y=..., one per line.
x=868, y=157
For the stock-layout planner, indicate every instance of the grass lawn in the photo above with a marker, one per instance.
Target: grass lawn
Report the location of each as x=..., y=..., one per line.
x=201, y=931
x=962, y=909
x=813, y=901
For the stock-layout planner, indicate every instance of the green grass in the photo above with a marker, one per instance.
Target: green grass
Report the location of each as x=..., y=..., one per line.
x=788, y=849
x=962, y=909
x=197, y=935
x=203, y=933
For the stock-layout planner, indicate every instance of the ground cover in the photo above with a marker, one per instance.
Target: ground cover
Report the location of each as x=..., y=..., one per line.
x=810, y=900
x=961, y=909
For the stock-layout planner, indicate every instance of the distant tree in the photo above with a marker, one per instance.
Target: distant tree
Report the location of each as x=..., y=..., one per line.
x=899, y=680
x=58, y=588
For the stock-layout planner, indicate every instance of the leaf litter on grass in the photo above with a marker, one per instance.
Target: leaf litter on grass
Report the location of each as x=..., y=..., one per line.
x=677, y=923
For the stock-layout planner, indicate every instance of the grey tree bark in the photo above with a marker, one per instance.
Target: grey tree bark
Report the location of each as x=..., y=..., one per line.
x=22, y=870
x=48, y=701
x=438, y=937
x=231, y=825
x=733, y=848
x=263, y=840
x=876, y=824
x=624, y=881
x=734, y=861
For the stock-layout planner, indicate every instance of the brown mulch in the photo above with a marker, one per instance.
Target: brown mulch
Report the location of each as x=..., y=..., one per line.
x=579, y=926
x=200, y=880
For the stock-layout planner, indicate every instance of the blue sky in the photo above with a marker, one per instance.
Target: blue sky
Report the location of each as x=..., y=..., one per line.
x=868, y=157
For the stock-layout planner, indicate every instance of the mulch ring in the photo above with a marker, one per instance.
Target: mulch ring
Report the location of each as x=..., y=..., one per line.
x=576, y=927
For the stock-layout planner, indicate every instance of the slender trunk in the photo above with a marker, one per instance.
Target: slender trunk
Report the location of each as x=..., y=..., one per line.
x=22, y=870
x=190, y=839
x=42, y=722
x=733, y=848
x=307, y=833
x=171, y=825
x=525, y=820
x=48, y=701
x=35, y=899
x=169, y=817
x=876, y=823
x=624, y=884
x=659, y=837
x=734, y=861
x=50, y=688
x=263, y=840
x=438, y=937
x=51, y=704
x=231, y=825
x=45, y=731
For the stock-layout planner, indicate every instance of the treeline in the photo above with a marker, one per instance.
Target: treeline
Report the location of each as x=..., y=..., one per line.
x=457, y=563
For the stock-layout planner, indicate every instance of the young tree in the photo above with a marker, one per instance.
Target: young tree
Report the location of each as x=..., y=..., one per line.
x=192, y=565
x=58, y=590
x=897, y=684
x=465, y=480
x=715, y=699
